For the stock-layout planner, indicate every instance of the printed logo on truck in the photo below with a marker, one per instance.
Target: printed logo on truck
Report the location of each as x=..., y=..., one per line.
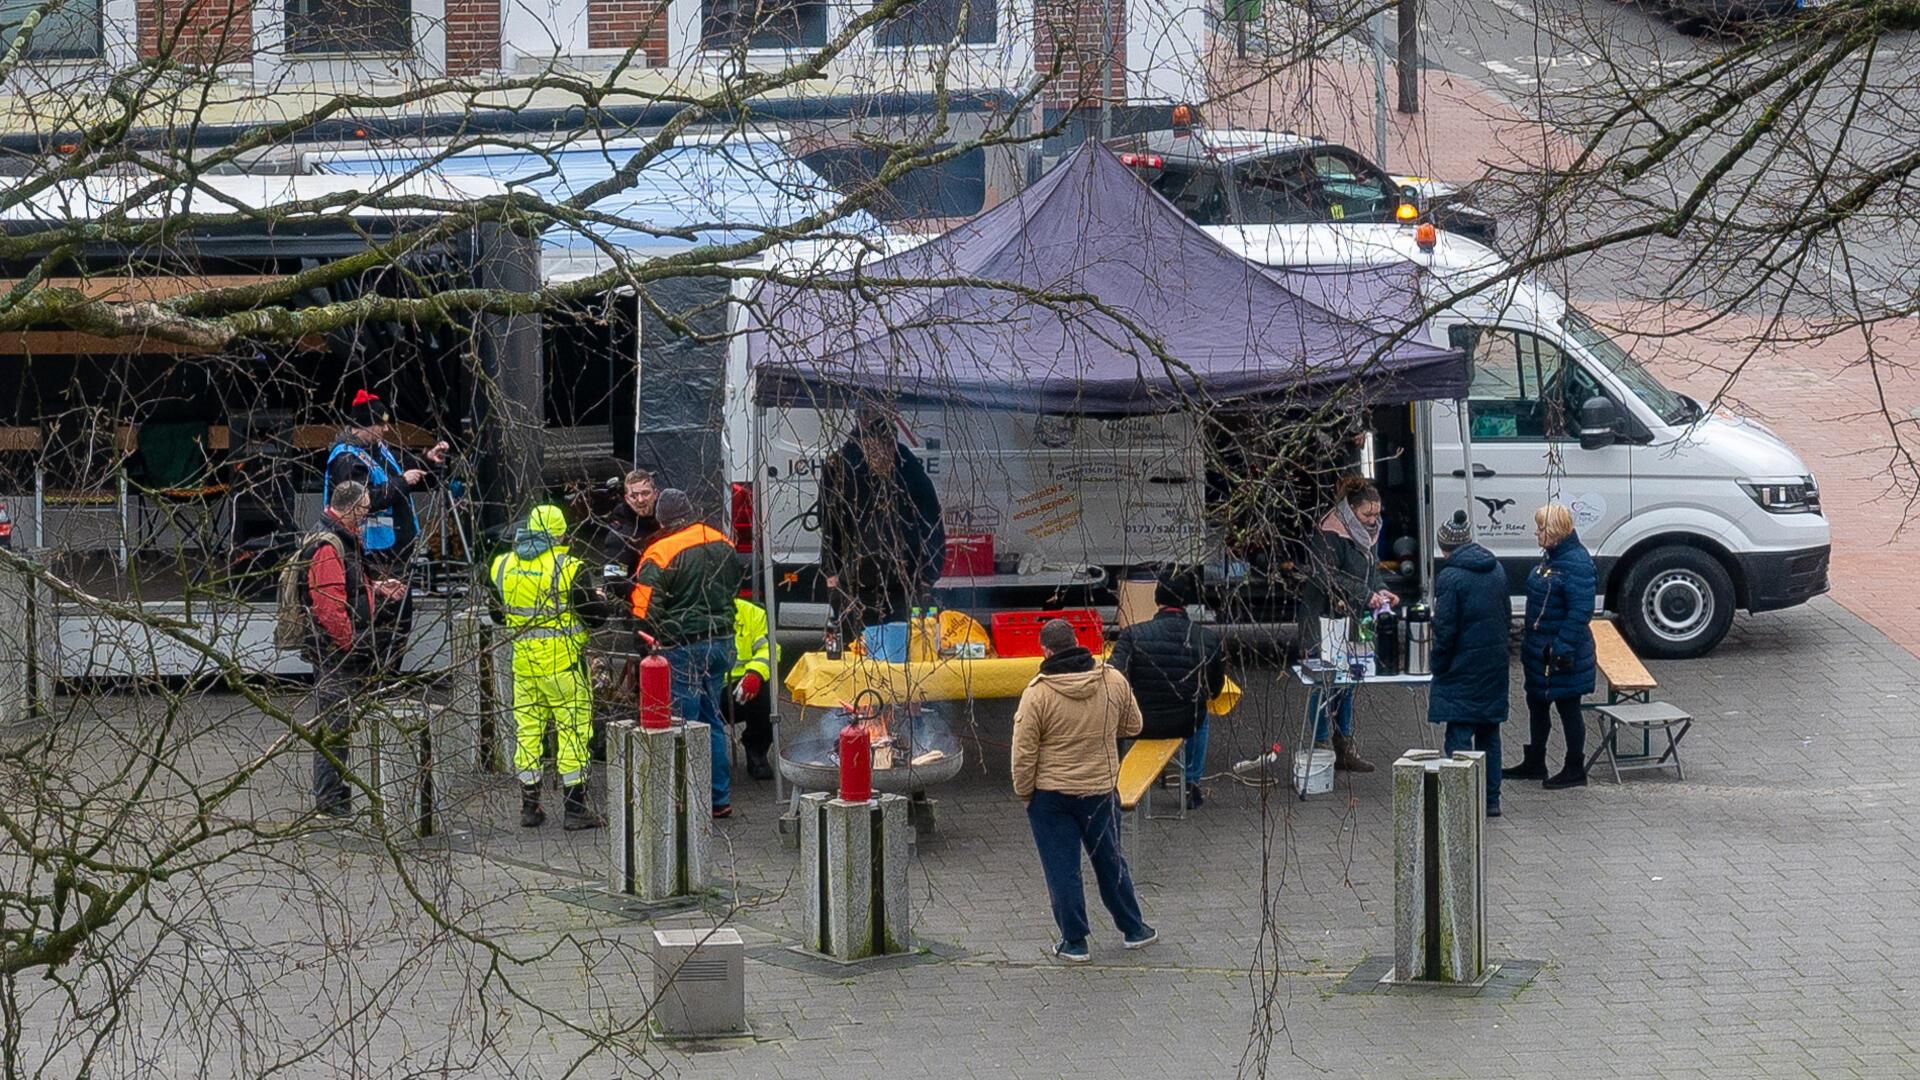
x=1588, y=508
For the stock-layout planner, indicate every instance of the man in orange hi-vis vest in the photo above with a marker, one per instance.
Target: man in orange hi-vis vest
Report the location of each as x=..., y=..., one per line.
x=683, y=596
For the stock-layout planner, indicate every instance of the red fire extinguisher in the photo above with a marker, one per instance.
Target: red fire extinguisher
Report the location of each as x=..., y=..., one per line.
x=656, y=691
x=6, y=527
x=856, y=763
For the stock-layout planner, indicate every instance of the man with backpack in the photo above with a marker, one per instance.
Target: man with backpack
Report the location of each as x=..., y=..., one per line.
x=326, y=608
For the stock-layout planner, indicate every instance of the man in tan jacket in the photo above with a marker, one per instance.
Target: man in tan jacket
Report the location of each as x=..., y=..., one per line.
x=1065, y=764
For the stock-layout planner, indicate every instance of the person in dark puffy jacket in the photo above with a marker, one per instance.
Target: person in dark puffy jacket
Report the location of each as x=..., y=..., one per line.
x=1469, y=658
x=1175, y=667
x=1556, y=647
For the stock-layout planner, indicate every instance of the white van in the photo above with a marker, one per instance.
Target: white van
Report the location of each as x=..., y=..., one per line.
x=1689, y=515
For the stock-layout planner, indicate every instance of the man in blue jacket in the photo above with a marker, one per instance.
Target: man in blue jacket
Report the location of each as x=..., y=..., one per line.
x=1469, y=660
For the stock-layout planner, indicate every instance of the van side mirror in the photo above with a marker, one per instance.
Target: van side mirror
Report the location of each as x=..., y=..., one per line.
x=1599, y=423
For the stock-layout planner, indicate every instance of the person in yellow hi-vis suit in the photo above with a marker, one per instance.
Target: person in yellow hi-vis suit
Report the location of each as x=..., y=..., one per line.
x=542, y=596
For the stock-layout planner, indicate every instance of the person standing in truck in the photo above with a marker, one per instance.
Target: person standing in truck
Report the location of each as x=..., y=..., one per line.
x=881, y=538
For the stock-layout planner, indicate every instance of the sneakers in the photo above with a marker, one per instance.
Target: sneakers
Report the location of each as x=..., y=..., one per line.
x=1073, y=953
x=722, y=812
x=1149, y=937
x=1493, y=811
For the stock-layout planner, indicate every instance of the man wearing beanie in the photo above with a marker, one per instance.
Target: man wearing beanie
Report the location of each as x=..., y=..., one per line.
x=683, y=597
x=1065, y=765
x=1471, y=618
x=363, y=453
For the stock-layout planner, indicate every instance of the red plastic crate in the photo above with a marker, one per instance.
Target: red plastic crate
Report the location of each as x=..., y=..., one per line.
x=968, y=555
x=1017, y=633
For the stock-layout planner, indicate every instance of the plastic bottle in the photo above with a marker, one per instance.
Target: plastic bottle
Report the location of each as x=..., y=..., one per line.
x=933, y=629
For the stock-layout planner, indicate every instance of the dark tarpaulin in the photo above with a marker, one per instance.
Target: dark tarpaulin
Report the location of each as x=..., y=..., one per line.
x=1055, y=300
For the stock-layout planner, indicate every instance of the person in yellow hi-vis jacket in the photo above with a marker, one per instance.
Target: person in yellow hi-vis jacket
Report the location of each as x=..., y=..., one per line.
x=749, y=700
x=542, y=596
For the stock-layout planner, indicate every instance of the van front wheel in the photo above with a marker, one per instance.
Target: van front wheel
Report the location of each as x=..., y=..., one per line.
x=1677, y=603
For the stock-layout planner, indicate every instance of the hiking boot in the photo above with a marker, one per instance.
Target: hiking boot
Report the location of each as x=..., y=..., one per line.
x=1533, y=766
x=1346, y=758
x=579, y=815
x=532, y=816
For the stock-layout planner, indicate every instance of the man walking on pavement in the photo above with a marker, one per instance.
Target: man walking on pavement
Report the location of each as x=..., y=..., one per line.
x=1065, y=765
x=338, y=597
x=748, y=700
x=683, y=597
x=542, y=596
x=363, y=452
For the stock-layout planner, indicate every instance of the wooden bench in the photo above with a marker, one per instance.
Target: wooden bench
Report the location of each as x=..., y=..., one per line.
x=1141, y=770
x=1630, y=705
x=1627, y=678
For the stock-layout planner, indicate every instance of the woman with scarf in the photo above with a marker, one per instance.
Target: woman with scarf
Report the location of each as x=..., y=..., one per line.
x=1343, y=579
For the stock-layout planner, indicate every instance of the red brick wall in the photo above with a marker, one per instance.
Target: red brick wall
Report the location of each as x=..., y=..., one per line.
x=473, y=36
x=196, y=31
x=1071, y=31
x=618, y=24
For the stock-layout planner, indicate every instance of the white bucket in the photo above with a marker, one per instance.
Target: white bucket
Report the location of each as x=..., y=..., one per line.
x=1316, y=769
x=1335, y=647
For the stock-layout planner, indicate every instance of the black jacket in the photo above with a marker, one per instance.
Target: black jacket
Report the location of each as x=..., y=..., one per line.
x=1341, y=576
x=882, y=536
x=1175, y=667
x=631, y=534
x=1471, y=616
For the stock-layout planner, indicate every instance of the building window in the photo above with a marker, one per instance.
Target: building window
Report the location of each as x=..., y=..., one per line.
x=935, y=22
x=71, y=33
x=349, y=26
x=763, y=24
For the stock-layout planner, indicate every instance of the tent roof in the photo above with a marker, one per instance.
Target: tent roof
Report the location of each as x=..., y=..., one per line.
x=1090, y=293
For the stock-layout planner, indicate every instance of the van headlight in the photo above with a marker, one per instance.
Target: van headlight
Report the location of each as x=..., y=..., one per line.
x=1797, y=496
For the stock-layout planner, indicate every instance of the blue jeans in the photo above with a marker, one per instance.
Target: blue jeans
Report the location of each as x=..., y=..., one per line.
x=1484, y=737
x=699, y=680
x=1196, y=753
x=1341, y=704
x=1062, y=826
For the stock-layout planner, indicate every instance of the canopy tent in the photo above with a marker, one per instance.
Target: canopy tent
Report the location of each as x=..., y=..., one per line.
x=722, y=191
x=1090, y=293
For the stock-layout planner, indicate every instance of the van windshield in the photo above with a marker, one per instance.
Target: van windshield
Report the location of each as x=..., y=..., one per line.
x=1670, y=407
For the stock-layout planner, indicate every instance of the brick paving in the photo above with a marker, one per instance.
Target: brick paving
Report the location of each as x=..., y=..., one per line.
x=1754, y=920
x=1819, y=393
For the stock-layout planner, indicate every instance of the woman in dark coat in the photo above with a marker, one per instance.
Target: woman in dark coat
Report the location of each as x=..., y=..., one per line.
x=1342, y=578
x=1556, y=648
x=1469, y=658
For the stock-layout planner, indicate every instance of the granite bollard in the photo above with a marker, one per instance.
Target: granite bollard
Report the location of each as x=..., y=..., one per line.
x=1439, y=831
x=659, y=809
x=853, y=871
x=401, y=748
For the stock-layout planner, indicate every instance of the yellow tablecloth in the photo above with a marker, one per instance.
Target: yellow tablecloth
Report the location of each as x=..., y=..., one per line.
x=818, y=681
